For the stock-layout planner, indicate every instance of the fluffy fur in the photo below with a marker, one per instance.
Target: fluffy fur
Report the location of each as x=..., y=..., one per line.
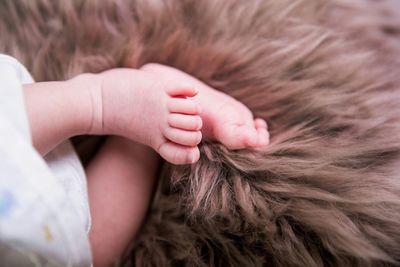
x=324, y=74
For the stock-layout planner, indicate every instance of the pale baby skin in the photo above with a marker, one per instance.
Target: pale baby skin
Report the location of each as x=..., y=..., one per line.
x=154, y=108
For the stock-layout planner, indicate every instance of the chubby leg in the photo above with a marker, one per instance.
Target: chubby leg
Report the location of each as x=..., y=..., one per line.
x=121, y=179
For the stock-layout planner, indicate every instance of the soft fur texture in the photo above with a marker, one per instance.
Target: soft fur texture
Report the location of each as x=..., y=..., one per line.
x=324, y=74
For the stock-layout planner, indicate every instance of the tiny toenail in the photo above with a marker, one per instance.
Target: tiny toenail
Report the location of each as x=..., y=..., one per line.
x=199, y=123
x=199, y=137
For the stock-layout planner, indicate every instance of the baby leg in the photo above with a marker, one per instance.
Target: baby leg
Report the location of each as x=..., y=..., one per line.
x=121, y=178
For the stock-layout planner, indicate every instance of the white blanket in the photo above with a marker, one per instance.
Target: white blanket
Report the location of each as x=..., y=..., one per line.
x=44, y=212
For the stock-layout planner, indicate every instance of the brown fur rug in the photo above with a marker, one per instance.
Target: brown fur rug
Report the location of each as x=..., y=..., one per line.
x=324, y=74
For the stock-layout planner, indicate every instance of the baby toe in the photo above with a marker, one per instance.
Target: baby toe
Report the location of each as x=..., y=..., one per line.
x=193, y=155
x=177, y=154
x=185, y=122
x=249, y=136
x=260, y=123
x=183, y=105
x=263, y=137
x=234, y=136
x=183, y=90
x=182, y=137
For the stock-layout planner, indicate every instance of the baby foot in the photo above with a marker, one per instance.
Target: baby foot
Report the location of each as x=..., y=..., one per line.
x=229, y=121
x=224, y=118
x=150, y=110
x=182, y=134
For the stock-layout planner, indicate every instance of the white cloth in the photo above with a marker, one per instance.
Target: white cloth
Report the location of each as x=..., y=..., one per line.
x=44, y=211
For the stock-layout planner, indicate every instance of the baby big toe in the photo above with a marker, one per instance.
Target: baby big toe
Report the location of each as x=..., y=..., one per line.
x=177, y=154
x=234, y=136
x=262, y=132
x=263, y=137
x=249, y=136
